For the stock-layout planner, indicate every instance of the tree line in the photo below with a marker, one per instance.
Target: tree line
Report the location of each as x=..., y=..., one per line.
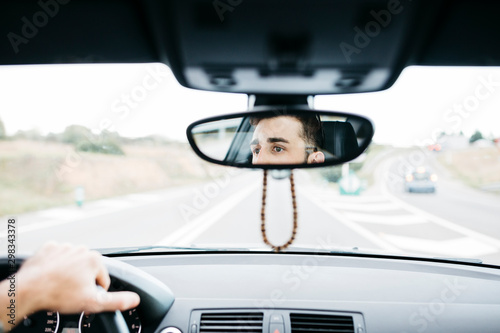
x=83, y=139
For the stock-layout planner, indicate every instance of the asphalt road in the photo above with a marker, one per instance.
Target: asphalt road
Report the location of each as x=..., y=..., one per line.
x=455, y=222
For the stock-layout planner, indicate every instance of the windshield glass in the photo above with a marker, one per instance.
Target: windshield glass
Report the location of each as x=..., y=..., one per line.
x=97, y=155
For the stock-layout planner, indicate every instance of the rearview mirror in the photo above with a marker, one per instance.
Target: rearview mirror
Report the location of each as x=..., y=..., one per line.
x=284, y=138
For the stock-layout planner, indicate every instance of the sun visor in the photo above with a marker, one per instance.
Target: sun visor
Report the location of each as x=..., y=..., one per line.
x=285, y=47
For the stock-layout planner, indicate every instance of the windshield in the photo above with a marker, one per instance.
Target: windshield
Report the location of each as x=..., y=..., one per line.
x=97, y=155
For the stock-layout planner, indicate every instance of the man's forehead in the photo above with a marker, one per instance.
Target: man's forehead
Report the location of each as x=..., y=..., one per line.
x=283, y=126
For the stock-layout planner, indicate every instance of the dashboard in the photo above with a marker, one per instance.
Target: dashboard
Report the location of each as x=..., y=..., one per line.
x=52, y=321
x=298, y=293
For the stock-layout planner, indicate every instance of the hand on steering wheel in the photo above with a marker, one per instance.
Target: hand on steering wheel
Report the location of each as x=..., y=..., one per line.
x=63, y=278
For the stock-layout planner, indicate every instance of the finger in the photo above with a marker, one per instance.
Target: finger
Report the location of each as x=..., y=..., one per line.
x=47, y=249
x=120, y=300
x=102, y=278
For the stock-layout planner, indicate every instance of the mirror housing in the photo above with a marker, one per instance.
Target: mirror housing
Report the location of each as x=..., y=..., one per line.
x=272, y=137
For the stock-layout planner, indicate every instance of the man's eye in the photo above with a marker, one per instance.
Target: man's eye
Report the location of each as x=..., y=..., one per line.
x=278, y=149
x=256, y=151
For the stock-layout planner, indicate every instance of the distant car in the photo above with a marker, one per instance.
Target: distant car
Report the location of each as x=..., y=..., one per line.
x=434, y=147
x=421, y=180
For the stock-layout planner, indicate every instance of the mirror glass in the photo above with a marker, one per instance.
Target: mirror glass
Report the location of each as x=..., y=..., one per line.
x=270, y=139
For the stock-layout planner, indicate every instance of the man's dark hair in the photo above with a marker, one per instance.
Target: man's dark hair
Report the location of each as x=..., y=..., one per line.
x=312, y=132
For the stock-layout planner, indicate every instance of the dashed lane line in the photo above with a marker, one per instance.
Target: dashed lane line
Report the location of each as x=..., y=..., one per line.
x=63, y=215
x=482, y=238
x=473, y=244
x=185, y=235
x=370, y=236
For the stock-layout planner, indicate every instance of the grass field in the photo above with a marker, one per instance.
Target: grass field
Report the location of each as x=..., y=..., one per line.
x=477, y=167
x=37, y=175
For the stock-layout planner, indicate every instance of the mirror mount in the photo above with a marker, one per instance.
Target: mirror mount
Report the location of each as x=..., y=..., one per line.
x=281, y=100
x=280, y=174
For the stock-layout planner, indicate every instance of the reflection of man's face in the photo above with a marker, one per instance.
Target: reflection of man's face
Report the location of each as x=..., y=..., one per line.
x=280, y=140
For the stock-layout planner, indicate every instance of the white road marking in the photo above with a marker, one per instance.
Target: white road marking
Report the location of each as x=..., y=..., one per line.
x=185, y=235
x=405, y=219
x=353, y=210
x=52, y=217
x=116, y=203
x=144, y=197
x=482, y=238
x=372, y=237
x=58, y=216
x=366, y=207
x=332, y=197
x=460, y=247
x=474, y=244
x=62, y=213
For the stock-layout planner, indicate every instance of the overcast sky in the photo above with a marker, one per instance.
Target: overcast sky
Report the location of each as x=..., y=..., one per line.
x=139, y=100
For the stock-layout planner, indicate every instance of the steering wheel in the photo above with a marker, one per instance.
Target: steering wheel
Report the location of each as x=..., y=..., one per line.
x=114, y=322
x=156, y=298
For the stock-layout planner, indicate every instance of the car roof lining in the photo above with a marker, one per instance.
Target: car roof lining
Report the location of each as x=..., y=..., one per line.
x=181, y=34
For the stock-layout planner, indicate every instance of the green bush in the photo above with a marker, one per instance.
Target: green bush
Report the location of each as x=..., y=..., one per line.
x=75, y=134
x=104, y=147
x=84, y=140
x=476, y=136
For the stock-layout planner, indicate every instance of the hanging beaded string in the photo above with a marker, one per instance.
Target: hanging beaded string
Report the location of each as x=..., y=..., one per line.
x=263, y=214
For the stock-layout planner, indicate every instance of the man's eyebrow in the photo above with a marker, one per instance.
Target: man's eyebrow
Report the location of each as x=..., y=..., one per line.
x=254, y=142
x=272, y=140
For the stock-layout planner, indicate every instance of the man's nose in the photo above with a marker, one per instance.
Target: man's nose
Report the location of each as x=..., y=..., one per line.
x=262, y=158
